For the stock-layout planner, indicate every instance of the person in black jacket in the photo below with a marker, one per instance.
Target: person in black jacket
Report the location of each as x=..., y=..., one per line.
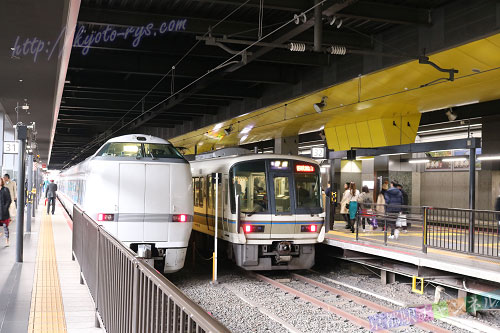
x=5, y=202
x=405, y=210
x=393, y=200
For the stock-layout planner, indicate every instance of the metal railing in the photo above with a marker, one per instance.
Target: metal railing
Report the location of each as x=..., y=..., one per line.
x=130, y=295
x=475, y=232
x=463, y=230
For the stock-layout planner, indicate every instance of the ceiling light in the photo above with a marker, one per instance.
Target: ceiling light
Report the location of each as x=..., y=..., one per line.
x=67, y=82
x=12, y=49
x=454, y=159
x=319, y=106
x=247, y=129
x=20, y=80
x=339, y=24
x=333, y=19
x=217, y=127
x=419, y=161
x=451, y=115
x=489, y=158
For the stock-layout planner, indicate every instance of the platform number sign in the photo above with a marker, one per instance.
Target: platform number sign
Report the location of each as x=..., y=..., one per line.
x=10, y=147
x=318, y=152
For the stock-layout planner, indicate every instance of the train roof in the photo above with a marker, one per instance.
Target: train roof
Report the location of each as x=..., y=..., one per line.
x=142, y=138
x=223, y=164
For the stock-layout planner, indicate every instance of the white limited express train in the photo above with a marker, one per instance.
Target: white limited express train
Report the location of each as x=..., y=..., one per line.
x=138, y=188
x=270, y=207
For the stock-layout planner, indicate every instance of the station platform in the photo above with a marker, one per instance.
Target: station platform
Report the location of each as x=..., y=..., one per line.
x=407, y=249
x=43, y=293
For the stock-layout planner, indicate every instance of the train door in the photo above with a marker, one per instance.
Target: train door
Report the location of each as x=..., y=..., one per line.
x=282, y=204
x=132, y=182
x=157, y=202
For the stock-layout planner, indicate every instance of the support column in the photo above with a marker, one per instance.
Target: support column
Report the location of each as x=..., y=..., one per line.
x=472, y=197
x=22, y=132
x=287, y=146
x=29, y=173
x=318, y=27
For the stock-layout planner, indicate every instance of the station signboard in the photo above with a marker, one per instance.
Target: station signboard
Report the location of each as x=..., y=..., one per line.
x=318, y=152
x=10, y=147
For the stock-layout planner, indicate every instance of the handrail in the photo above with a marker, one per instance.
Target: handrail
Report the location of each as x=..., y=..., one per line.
x=130, y=295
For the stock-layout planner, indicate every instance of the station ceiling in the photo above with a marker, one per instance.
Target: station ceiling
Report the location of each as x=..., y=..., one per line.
x=126, y=85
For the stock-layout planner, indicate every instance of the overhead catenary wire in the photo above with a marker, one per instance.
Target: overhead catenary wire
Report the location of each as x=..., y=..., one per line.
x=223, y=64
x=97, y=140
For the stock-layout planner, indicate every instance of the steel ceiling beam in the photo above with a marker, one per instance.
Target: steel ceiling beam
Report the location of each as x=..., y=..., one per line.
x=381, y=12
x=288, y=5
x=202, y=84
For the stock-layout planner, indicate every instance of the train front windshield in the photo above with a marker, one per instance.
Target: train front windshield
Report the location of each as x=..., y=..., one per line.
x=292, y=187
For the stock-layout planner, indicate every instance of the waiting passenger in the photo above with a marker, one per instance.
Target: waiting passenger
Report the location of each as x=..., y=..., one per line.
x=344, y=205
x=12, y=186
x=50, y=194
x=366, y=202
x=353, y=205
x=5, y=202
x=394, y=200
x=380, y=209
x=405, y=203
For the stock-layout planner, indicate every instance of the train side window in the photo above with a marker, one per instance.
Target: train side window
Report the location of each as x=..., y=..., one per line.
x=196, y=191
x=203, y=191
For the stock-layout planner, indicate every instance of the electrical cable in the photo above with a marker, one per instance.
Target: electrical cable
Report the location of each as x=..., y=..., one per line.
x=199, y=78
x=93, y=142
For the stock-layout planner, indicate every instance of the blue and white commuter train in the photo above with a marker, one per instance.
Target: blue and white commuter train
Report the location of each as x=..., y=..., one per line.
x=138, y=187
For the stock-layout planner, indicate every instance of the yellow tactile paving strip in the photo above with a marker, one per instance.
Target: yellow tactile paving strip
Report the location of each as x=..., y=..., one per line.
x=47, y=312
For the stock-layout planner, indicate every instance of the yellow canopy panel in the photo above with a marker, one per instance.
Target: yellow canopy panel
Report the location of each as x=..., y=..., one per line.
x=381, y=108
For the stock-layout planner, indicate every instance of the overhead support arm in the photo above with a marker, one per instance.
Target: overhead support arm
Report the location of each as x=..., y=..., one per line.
x=318, y=27
x=451, y=72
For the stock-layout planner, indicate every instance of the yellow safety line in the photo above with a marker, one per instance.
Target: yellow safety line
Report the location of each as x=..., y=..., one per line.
x=47, y=312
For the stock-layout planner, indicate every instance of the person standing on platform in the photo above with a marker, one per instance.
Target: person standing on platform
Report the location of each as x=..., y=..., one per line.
x=380, y=208
x=393, y=200
x=353, y=205
x=405, y=210
x=344, y=205
x=12, y=186
x=366, y=202
x=5, y=202
x=50, y=194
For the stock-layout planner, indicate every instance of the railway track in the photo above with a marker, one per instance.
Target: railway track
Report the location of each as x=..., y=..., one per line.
x=341, y=303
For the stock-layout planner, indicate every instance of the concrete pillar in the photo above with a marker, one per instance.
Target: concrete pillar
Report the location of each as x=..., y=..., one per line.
x=287, y=146
x=387, y=277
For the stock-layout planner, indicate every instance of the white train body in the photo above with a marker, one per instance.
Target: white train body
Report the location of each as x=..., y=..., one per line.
x=280, y=208
x=138, y=188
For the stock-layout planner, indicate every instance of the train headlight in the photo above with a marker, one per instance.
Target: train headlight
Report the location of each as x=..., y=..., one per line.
x=105, y=217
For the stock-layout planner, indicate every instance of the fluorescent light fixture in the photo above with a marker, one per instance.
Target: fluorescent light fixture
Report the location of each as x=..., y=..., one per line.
x=467, y=103
x=217, y=127
x=489, y=158
x=473, y=126
x=394, y=154
x=246, y=129
x=454, y=159
x=419, y=161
